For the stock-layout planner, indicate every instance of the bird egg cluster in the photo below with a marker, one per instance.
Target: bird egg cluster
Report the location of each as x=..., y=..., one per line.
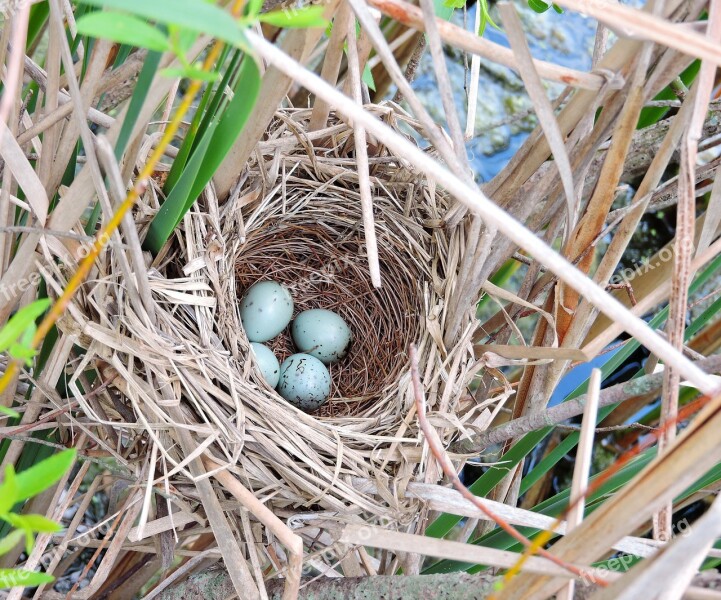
x=320, y=336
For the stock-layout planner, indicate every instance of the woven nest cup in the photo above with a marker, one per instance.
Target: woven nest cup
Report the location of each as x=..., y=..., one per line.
x=295, y=217
x=312, y=241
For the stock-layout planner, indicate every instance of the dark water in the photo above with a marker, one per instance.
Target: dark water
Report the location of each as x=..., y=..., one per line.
x=565, y=39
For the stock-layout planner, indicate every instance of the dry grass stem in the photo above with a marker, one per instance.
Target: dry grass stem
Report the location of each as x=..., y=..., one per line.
x=412, y=16
x=582, y=467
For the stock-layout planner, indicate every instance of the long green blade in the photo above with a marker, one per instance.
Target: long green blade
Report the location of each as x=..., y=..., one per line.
x=212, y=149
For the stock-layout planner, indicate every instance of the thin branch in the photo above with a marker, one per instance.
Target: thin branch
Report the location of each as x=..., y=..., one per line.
x=436, y=447
x=551, y=417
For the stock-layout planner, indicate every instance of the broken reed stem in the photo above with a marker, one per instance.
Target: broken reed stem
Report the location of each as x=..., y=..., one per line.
x=582, y=466
x=473, y=86
x=436, y=447
x=361, y=155
x=566, y=410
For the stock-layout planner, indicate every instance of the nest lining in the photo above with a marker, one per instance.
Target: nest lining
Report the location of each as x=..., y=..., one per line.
x=324, y=265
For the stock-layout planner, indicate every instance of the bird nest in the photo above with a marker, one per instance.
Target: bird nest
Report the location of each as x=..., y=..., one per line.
x=183, y=371
x=317, y=250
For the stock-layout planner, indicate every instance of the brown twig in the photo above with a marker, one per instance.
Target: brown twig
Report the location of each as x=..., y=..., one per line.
x=434, y=443
x=572, y=408
x=412, y=66
x=624, y=286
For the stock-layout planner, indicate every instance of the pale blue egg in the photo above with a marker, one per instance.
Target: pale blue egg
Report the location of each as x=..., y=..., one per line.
x=266, y=310
x=304, y=381
x=267, y=363
x=321, y=333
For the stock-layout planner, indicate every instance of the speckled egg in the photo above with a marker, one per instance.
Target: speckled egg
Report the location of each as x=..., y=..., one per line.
x=266, y=310
x=321, y=333
x=304, y=381
x=267, y=363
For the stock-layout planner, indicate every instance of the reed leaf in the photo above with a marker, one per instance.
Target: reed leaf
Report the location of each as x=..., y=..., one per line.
x=194, y=15
x=212, y=148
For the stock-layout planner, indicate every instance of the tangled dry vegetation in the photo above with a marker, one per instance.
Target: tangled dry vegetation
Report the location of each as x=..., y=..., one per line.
x=187, y=458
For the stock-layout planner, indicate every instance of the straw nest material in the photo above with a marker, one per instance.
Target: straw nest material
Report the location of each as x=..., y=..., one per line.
x=295, y=217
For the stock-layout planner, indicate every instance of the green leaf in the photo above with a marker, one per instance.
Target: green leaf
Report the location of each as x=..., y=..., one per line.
x=651, y=115
x=20, y=321
x=30, y=525
x=190, y=73
x=207, y=156
x=18, y=521
x=37, y=524
x=212, y=103
x=558, y=9
x=309, y=16
x=43, y=475
x=140, y=92
x=454, y=3
x=8, y=490
x=253, y=9
x=10, y=578
x=10, y=541
x=180, y=200
x=231, y=122
x=181, y=39
x=142, y=87
x=367, y=77
x=9, y=412
x=38, y=17
x=23, y=350
x=124, y=29
x=485, y=17
x=442, y=11
x=196, y=15
x=538, y=5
